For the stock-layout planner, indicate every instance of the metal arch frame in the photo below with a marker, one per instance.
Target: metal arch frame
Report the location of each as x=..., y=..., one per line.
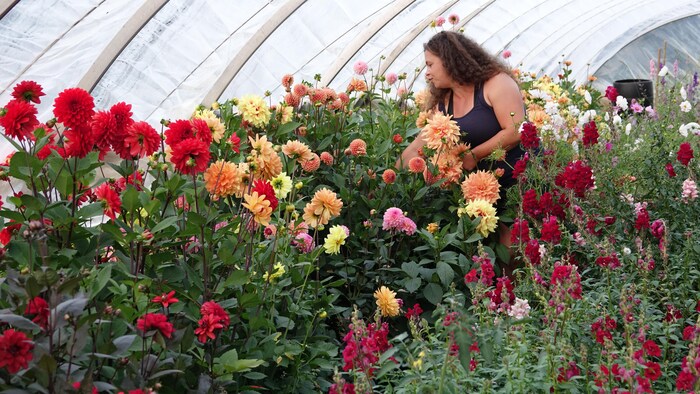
x=412, y=35
x=115, y=47
x=249, y=48
x=6, y=6
x=645, y=28
x=561, y=4
x=357, y=43
x=48, y=47
x=600, y=60
x=590, y=15
x=460, y=25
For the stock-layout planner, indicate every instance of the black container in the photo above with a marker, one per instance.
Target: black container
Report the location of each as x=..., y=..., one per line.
x=640, y=89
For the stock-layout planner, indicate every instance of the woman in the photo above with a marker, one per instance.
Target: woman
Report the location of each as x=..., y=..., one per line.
x=478, y=91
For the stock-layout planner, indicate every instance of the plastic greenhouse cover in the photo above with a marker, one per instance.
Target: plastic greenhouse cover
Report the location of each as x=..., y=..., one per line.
x=175, y=59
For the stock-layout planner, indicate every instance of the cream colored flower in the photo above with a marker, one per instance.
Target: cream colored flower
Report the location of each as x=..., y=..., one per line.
x=254, y=110
x=483, y=209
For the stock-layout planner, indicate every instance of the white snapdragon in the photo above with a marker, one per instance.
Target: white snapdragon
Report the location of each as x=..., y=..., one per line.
x=691, y=127
x=663, y=71
x=622, y=103
x=685, y=106
x=684, y=94
x=520, y=309
x=586, y=117
x=587, y=96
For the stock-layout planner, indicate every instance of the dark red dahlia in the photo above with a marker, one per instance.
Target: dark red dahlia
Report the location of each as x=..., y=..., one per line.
x=15, y=351
x=685, y=153
x=590, y=134
x=528, y=136
x=39, y=308
x=611, y=94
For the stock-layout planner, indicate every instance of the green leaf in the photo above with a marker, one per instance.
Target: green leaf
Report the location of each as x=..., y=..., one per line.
x=90, y=210
x=411, y=268
x=165, y=223
x=103, y=276
x=123, y=343
x=445, y=273
x=164, y=373
x=230, y=362
x=474, y=237
x=237, y=278
x=18, y=321
x=130, y=199
x=412, y=285
x=433, y=293
x=255, y=375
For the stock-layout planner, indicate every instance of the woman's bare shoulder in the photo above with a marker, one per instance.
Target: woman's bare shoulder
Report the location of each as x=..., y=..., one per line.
x=499, y=85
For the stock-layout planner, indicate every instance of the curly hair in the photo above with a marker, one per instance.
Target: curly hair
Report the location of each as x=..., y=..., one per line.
x=464, y=60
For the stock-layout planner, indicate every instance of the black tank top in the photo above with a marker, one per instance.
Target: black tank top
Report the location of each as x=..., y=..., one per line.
x=477, y=127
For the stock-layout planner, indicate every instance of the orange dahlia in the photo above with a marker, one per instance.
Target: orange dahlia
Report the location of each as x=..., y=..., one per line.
x=297, y=150
x=259, y=206
x=267, y=162
x=481, y=185
x=441, y=132
x=223, y=179
x=323, y=206
x=312, y=164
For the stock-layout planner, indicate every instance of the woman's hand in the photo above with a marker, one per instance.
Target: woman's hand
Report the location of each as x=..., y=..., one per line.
x=469, y=161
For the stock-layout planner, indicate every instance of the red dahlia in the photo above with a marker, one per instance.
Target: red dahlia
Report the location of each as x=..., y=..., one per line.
x=181, y=130
x=141, y=140
x=15, y=350
x=80, y=141
x=104, y=125
x=190, y=156
x=111, y=202
x=212, y=308
x=155, y=321
x=208, y=327
x=28, y=91
x=19, y=119
x=74, y=107
x=122, y=120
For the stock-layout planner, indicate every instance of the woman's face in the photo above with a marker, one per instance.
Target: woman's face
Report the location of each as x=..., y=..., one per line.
x=435, y=72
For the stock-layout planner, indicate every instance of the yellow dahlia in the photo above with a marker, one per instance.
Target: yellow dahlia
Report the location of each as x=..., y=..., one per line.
x=481, y=185
x=286, y=113
x=386, y=302
x=259, y=206
x=335, y=238
x=487, y=212
x=254, y=110
x=322, y=207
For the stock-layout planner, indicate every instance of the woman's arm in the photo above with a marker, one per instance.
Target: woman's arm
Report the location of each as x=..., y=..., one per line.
x=411, y=151
x=503, y=95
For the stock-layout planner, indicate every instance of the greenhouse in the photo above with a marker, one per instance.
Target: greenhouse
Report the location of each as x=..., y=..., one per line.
x=408, y=196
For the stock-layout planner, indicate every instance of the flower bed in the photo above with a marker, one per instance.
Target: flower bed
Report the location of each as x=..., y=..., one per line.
x=257, y=247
